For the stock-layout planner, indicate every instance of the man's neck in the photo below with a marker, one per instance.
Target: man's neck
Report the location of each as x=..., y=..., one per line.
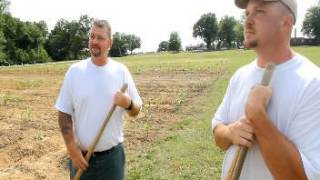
x=276, y=54
x=99, y=61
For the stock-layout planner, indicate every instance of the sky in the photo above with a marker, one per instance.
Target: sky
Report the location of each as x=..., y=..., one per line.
x=151, y=20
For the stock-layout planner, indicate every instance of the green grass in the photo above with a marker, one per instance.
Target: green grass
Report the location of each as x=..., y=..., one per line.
x=46, y=68
x=167, y=61
x=39, y=136
x=28, y=84
x=26, y=115
x=310, y=52
x=205, y=61
x=7, y=98
x=187, y=151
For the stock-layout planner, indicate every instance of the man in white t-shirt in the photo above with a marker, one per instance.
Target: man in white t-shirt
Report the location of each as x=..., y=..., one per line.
x=283, y=139
x=89, y=90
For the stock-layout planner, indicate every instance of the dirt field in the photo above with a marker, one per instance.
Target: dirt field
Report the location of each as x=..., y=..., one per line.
x=31, y=146
x=172, y=87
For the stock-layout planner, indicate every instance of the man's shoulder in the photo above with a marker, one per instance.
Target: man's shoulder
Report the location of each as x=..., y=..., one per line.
x=117, y=64
x=79, y=65
x=247, y=67
x=307, y=69
x=76, y=67
x=245, y=70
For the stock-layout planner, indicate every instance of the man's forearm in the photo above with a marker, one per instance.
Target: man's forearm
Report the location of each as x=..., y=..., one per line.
x=280, y=154
x=66, y=127
x=221, y=136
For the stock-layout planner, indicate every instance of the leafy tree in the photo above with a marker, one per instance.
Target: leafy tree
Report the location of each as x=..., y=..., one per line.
x=21, y=56
x=239, y=33
x=79, y=40
x=122, y=43
x=3, y=56
x=226, y=31
x=67, y=40
x=163, y=46
x=119, y=45
x=311, y=23
x=206, y=28
x=58, y=41
x=4, y=5
x=22, y=40
x=133, y=42
x=174, y=42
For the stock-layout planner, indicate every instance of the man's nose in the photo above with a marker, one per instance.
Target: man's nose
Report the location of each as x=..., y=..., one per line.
x=249, y=22
x=94, y=40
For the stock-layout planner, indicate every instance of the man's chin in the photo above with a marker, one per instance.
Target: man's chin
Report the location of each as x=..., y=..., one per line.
x=95, y=54
x=250, y=44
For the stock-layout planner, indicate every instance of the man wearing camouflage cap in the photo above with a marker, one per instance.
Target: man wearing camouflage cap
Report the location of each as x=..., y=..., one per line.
x=283, y=140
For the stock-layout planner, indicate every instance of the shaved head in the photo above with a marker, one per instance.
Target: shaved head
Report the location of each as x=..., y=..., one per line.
x=285, y=12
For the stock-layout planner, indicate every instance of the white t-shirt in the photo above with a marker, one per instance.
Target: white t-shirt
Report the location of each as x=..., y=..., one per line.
x=294, y=109
x=87, y=94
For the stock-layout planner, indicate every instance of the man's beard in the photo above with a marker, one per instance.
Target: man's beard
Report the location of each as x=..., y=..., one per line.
x=96, y=53
x=250, y=44
x=250, y=40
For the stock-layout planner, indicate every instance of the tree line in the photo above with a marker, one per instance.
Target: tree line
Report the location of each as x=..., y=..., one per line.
x=31, y=42
x=228, y=32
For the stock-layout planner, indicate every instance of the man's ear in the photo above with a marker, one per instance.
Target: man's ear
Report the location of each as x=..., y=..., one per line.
x=289, y=21
x=110, y=42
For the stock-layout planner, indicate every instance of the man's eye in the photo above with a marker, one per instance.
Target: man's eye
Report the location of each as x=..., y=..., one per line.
x=260, y=11
x=100, y=38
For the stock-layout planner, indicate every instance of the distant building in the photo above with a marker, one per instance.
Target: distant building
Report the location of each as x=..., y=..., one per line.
x=300, y=41
x=196, y=48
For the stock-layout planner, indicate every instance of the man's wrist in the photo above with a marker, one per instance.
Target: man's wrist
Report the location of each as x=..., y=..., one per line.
x=72, y=146
x=255, y=112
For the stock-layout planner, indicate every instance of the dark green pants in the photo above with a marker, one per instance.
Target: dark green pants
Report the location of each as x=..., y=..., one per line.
x=103, y=167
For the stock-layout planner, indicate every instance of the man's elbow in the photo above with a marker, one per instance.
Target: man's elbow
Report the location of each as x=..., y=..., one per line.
x=133, y=114
x=219, y=138
x=134, y=111
x=221, y=145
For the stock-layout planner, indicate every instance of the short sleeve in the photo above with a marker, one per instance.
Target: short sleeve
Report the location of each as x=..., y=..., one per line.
x=221, y=114
x=64, y=101
x=132, y=90
x=304, y=131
